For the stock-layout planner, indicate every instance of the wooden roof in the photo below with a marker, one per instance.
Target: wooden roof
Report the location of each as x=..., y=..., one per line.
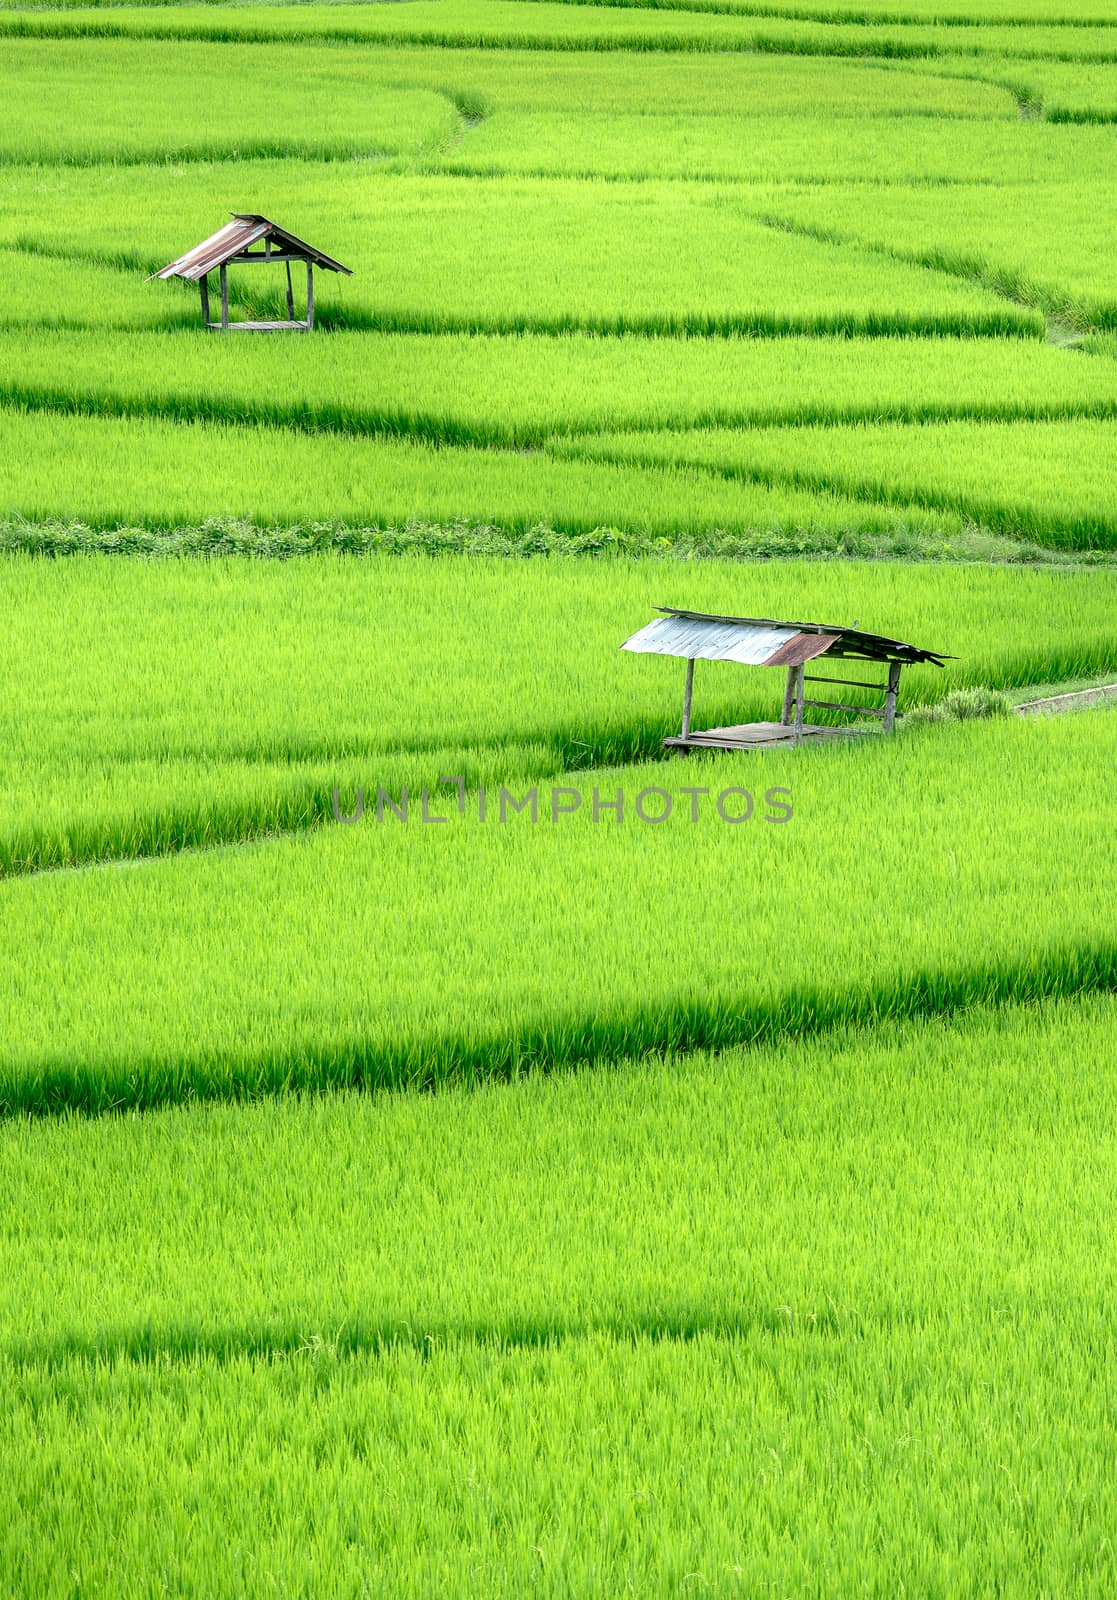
x=235, y=238
x=764, y=642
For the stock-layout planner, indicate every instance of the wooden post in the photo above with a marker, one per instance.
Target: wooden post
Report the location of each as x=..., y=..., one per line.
x=890, y=696
x=290, y=296
x=686, y=697
x=799, y=671
x=224, y=300
x=788, y=697
x=203, y=285
x=309, y=296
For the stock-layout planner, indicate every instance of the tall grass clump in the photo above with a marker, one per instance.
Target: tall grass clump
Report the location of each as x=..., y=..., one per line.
x=961, y=705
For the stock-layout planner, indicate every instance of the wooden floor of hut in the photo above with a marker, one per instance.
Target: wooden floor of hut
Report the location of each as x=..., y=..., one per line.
x=259, y=327
x=758, y=736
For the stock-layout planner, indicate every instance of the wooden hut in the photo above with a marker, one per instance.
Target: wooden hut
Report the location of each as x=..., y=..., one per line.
x=760, y=642
x=251, y=240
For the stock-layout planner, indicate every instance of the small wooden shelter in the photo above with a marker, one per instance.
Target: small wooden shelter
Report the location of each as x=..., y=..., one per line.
x=251, y=240
x=760, y=642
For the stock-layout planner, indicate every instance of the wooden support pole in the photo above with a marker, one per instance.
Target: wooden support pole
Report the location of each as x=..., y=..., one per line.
x=290, y=296
x=890, y=696
x=686, y=697
x=788, y=697
x=799, y=704
x=203, y=285
x=309, y=296
x=224, y=300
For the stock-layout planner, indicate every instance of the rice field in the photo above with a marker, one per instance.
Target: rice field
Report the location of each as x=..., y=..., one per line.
x=1011, y=895
x=602, y=1364
x=160, y=749
x=521, y=389
x=1026, y=478
x=448, y=1148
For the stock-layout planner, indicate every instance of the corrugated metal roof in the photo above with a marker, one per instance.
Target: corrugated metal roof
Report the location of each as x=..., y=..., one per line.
x=706, y=640
x=246, y=229
x=762, y=641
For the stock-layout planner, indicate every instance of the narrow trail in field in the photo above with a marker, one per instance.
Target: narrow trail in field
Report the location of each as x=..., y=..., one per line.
x=1076, y=700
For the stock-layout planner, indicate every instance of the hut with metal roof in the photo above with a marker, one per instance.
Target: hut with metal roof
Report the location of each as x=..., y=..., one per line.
x=761, y=642
x=251, y=240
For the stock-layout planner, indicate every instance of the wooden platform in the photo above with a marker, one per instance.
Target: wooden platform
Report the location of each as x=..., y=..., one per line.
x=758, y=736
x=258, y=327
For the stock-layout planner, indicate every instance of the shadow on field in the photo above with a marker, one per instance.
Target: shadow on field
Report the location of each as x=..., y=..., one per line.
x=91, y=1088
x=146, y=1345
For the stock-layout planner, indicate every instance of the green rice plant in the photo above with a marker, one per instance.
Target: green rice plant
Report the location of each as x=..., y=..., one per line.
x=944, y=13
x=48, y=292
x=390, y=952
x=463, y=24
x=794, y=145
x=516, y=390
x=702, y=83
x=1076, y=93
x=112, y=473
x=480, y=81
x=244, y=101
x=509, y=24
x=413, y=109
x=578, y=1333
x=136, y=1250
x=646, y=1462
x=1046, y=244
x=1060, y=91
x=472, y=23
x=1049, y=480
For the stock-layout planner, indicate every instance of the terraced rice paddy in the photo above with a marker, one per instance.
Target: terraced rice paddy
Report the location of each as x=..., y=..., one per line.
x=446, y=1148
